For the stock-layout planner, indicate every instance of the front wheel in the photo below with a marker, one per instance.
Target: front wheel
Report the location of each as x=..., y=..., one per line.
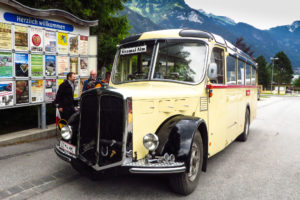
x=243, y=137
x=185, y=183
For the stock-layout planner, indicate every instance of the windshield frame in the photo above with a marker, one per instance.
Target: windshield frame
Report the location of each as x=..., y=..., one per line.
x=154, y=59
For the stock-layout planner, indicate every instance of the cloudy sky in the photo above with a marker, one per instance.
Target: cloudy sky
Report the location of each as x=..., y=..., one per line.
x=262, y=14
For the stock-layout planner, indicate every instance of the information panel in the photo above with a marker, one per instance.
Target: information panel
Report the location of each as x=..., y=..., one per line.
x=50, y=64
x=5, y=36
x=21, y=38
x=50, y=90
x=36, y=65
x=50, y=41
x=36, y=39
x=6, y=94
x=37, y=91
x=22, y=91
x=62, y=39
x=5, y=64
x=21, y=64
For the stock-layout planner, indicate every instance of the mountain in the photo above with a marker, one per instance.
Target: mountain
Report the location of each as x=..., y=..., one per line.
x=169, y=14
x=139, y=23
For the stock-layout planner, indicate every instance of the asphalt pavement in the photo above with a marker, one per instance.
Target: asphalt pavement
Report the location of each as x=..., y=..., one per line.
x=266, y=166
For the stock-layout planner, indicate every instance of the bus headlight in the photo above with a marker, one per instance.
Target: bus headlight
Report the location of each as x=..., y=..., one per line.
x=66, y=132
x=150, y=141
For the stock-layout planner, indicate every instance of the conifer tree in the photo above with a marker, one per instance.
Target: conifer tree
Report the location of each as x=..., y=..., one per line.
x=264, y=76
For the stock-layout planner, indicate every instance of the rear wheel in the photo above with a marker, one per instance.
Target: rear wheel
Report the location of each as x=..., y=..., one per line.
x=185, y=183
x=243, y=137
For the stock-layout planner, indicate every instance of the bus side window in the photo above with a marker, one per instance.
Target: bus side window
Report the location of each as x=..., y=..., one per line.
x=241, y=72
x=217, y=57
x=253, y=76
x=231, y=71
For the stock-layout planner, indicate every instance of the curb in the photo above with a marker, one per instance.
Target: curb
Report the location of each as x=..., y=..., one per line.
x=27, y=135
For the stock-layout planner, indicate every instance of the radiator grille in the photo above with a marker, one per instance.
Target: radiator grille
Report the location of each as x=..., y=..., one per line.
x=89, y=126
x=111, y=129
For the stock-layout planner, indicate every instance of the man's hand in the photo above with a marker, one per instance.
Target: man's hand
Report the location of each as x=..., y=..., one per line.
x=60, y=109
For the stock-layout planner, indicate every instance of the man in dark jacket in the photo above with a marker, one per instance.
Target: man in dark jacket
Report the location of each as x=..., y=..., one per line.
x=65, y=97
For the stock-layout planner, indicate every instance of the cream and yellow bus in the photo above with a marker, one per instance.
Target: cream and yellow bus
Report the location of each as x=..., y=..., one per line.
x=175, y=98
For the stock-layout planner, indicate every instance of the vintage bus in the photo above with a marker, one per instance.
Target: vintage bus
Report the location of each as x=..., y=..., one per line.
x=175, y=98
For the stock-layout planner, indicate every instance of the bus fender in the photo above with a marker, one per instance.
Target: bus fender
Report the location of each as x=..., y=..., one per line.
x=176, y=136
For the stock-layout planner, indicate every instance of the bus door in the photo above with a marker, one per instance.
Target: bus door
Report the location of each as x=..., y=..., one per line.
x=217, y=103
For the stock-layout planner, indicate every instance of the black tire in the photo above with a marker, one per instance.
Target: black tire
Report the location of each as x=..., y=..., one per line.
x=243, y=137
x=185, y=183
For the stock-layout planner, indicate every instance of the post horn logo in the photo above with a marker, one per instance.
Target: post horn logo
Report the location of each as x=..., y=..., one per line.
x=36, y=40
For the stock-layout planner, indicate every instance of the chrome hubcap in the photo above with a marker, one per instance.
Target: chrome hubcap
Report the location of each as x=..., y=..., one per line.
x=194, y=163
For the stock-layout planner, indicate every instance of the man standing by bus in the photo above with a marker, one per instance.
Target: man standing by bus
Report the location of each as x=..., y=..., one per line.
x=65, y=97
x=92, y=82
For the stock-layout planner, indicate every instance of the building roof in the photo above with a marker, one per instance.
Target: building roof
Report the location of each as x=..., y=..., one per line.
x=48, y=13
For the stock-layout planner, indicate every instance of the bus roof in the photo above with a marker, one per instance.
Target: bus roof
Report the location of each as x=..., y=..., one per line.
x=181, y=33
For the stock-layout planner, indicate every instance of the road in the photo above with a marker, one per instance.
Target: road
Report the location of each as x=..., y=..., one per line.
x=267, y=166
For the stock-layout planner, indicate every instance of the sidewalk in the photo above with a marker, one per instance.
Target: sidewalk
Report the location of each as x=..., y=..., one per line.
x=27, y=135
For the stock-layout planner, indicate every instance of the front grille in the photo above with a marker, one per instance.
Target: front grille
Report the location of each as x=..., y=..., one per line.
x=111, y=129
x=102, y=110
x=89, y=109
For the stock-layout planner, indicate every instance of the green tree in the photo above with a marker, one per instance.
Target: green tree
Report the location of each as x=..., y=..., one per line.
x=264, y=76
x=241, y=44
x=111, y=29
x=283, y=72
x=297, y=82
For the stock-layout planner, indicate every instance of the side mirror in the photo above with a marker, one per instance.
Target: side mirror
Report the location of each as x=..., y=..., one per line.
x=212, y=71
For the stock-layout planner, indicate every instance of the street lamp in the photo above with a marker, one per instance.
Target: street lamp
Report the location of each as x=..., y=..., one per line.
x=273, y=60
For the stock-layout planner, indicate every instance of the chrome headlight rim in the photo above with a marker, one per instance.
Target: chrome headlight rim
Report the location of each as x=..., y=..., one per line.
x=66, y=132
x=150, y=141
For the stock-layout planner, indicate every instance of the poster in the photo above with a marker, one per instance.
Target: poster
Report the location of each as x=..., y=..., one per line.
x=37, y=91
x=5, y=36
x=83, y=45
x=74, y=65
x=36, y=39
x=62, y=39
x=50, y=90
x=22, y=92
x=84, y=71
x=21, y=38
x=76, y=88
x=50, y=41
x=6, y=94
x=50, y=65
x=60, y=81
x=81, y=84
x=21, y=64
x=62, y=65
x=73, y=42
x=5, y=64
x=36, y=65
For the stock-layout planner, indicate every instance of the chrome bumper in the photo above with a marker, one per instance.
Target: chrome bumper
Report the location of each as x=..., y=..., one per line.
x=138, y=167
x=63, y=154
x=143, y=167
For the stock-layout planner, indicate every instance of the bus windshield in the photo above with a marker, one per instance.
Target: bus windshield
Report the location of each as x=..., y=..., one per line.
x=175, y=61
x=133, y=62
x=180, y=61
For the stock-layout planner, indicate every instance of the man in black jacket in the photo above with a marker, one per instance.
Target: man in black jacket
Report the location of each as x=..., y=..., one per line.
x=65, y=97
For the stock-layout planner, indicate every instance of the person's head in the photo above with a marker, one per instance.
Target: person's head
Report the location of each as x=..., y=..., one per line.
x=71, y=77
x=93, y=74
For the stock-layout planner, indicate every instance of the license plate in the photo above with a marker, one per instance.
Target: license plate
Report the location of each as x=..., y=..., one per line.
x=67, y=147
